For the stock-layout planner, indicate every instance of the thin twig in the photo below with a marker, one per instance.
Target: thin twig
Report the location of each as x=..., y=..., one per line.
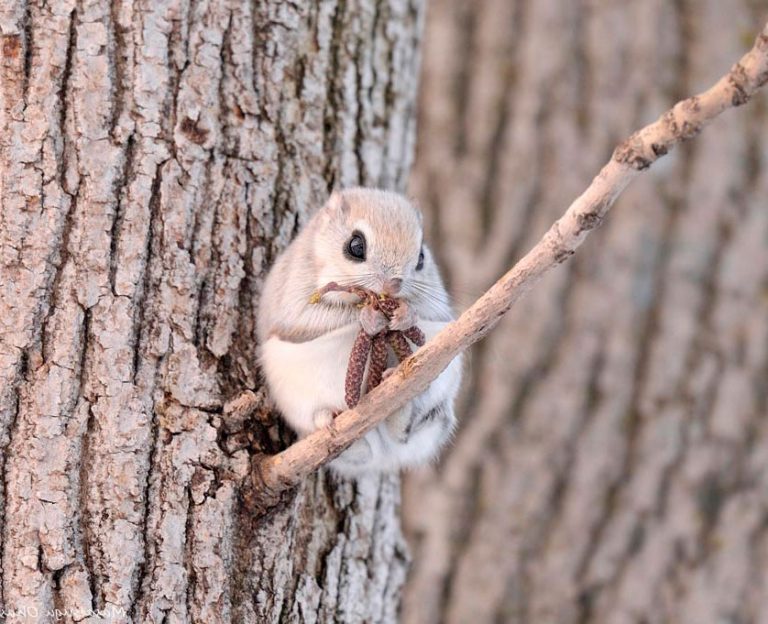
x=275, y=474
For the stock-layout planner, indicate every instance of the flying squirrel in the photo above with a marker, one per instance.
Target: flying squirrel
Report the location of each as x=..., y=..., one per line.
x=371, y=239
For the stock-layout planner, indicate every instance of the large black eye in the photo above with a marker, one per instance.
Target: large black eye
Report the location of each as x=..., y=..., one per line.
x=355, y=247
x=420, y=263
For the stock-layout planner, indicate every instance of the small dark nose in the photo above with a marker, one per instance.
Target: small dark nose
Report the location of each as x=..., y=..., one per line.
x=392, y=285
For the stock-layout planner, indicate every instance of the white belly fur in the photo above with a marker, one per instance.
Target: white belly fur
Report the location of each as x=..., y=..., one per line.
x=309, y=376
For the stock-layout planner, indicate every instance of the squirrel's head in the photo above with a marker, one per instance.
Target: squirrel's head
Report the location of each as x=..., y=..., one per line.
x=374, y=239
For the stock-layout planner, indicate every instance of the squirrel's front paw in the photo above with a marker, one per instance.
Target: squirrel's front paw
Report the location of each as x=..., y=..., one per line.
x=403, y=317
x=372, y=321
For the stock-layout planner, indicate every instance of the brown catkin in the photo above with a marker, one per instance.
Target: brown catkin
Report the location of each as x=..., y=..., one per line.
x=415, y=335
x=399, y=345
x=353, y=382
x=388, y=306
x=378, y=361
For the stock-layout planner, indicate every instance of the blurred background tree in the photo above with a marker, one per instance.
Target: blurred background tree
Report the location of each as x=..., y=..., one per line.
x=612, y=460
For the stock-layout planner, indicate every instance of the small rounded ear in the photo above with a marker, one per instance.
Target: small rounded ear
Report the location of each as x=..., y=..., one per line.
x=414, y=202
x=337, y=204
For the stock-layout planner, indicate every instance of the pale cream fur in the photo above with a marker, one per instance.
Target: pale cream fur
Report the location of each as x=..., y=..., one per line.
x=305, y=347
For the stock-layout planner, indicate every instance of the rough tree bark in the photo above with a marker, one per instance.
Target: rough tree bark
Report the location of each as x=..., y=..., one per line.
x=611, y=464
x=155, y=157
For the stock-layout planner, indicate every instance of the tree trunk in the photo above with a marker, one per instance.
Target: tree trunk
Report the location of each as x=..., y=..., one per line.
x=612, y=461
x=155, y=158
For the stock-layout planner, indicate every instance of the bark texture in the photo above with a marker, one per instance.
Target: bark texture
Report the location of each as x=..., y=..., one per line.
x=611, y=464
x=155, y=157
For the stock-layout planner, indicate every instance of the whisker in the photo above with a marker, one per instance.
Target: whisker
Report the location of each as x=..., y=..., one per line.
x=429, y=297
x=427, y=289
x=347, y=276
x=458, y=292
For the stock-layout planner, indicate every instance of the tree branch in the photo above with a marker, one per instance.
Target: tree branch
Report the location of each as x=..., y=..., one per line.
x=273, y=475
